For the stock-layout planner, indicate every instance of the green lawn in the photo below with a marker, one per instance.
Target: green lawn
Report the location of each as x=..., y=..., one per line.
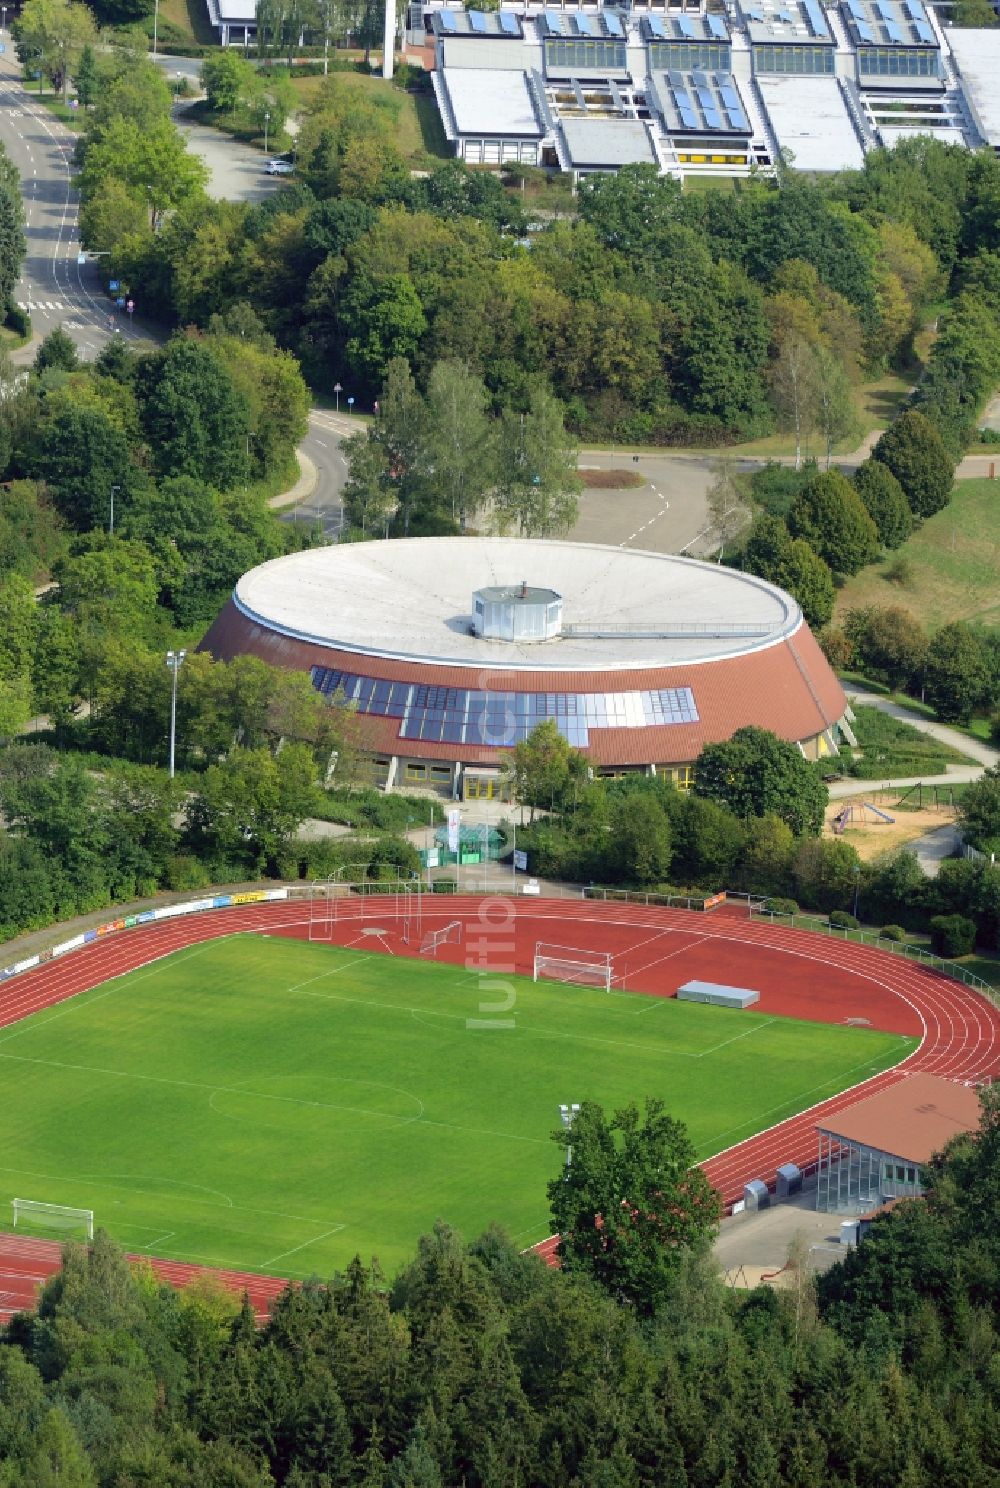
x=954, y=563
x=274, y=1105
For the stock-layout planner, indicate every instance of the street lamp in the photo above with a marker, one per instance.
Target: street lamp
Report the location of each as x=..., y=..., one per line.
x=111, y=516
x=337, y=390
x=568, y=1115
x=267, y=120
x=175, y=660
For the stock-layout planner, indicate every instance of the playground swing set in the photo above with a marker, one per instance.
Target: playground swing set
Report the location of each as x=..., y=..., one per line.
x=859, y=814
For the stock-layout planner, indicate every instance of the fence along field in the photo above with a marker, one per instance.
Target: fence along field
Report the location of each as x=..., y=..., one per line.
x=279, y=1105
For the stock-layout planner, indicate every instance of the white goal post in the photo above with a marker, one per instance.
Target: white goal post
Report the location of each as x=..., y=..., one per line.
x=52, y=1216
x=450, y=935
x=583, y=968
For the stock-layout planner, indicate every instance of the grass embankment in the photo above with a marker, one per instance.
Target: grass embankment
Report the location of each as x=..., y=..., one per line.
x=418, y=128
x=276, y=1105
x=889, y=747
x=877, y=404
x=952, y=564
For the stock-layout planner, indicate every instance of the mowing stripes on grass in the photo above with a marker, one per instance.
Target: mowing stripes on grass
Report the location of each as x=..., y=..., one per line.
x=268, y=1103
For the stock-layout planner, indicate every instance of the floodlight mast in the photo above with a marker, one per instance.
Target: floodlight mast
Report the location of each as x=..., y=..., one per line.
x=568, y=1115
x=175, y=660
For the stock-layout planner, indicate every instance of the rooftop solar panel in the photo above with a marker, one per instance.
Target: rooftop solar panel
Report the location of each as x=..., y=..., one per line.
x=925, y=33
x=675, y=78
x=914, y=10
x=700, y=79
x=687, y=28
x=717, y=26
x=583, y=25
x=865, y=31
x=894, y=34
x=712, y=118
x=817, y=20
x=655, y=24
x=553, y=21
x=705, y=98
x=509, y=24
x=885, y=10
x=613, y=24
x=688, y=117
x=477, y=21
x=447, y=20
x=737, y=118
x=683, y=98
x=786, y=16
x=729, y=95
x=857, y=11
x=754, y=13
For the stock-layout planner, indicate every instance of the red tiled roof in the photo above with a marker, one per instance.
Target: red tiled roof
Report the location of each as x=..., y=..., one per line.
x=789, y=688
x=912, y=1119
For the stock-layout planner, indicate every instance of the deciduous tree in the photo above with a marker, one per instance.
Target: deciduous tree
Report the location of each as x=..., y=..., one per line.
x=756, y=774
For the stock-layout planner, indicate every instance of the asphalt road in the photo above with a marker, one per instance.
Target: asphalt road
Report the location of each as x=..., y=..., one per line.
x=54, y=287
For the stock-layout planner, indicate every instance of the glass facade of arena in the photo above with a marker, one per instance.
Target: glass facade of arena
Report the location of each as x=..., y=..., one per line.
x=898, y=62
x=499, y=720
x=686, y=55
x=794, y=59
x=585, y=52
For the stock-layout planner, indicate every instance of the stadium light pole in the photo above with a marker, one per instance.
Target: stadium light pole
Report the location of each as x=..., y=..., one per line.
x=568, y=1114
x=175, y=660
x=111, y=514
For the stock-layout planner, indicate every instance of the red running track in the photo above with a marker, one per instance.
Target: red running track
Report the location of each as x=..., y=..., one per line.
x=798, y=973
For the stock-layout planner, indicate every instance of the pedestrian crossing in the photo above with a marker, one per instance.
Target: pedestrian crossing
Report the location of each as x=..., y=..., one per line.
x=40, y=305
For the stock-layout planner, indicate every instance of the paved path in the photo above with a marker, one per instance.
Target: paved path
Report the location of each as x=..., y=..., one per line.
x=933, y=848
x=973, y=748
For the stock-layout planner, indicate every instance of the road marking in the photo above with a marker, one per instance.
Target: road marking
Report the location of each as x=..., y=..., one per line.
x=321, y=443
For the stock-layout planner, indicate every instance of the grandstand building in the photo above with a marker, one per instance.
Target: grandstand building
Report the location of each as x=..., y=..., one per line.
x=720, y=89
x=452, y=649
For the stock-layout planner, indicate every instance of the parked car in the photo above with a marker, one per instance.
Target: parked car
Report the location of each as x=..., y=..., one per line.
x=278, y=168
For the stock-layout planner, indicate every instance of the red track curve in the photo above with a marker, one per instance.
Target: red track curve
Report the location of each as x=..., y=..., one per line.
x=798, y=973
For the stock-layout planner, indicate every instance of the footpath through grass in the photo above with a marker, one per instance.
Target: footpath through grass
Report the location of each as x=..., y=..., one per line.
x=953, y=564
x=269, y=1104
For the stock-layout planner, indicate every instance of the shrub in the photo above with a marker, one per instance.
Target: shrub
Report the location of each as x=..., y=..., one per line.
x=781, y=906
x=19, y=320
x=186, y=872
x=841, y=920
x=952, y=935
x=892, y=932
x=445, y=886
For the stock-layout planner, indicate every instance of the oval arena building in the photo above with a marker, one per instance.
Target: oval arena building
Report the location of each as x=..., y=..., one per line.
x=452, y=649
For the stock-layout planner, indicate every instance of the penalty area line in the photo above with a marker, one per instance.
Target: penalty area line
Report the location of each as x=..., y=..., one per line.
x=313, y=1240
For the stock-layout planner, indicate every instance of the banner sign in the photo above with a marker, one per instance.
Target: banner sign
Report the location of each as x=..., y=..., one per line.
x=454, y=828
x=520, y=860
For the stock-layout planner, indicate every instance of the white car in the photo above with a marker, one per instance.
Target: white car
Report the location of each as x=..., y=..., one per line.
x=278, y=168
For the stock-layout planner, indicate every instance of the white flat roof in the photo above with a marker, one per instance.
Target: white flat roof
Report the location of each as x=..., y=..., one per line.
x=411, y=599
x=892, y=134
x=606, y=142
x=977, y=56
x=810, y=118
x=485, y=101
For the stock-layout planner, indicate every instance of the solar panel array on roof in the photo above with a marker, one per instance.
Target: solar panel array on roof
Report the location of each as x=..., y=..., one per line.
x=731, y=102
x=477, y=21
x=687, y=28
x=583, y=26
x=914, y=10
x=509, y=24
x=613, y=23
x=857, y=11
x=754, y=13
x=925, y=33
x=894, y=33
x=447, y=20
x=553, y=21
x=655, y=24
x=717, y=26
x=865, y=31
x=787, y=17
x=817, y=20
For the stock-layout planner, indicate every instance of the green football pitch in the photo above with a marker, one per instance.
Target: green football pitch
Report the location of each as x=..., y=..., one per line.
x=269, y=1104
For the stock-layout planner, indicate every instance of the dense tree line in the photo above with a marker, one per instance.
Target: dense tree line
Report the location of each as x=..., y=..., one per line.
x=136, y=485
x=478, y=1367
x=651, y=314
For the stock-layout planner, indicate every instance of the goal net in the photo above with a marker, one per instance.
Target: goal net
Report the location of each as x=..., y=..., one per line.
x=34, y=1216
x=394, y=902
x=570, y=964
x=450, y=935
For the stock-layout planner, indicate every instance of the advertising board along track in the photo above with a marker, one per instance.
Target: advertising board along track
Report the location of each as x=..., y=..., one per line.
x=959, y=1029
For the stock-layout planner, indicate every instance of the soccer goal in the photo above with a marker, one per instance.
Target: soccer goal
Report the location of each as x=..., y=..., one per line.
x=450, y=935
x=394, y=902
x=570, y=964
x=31, y=1214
